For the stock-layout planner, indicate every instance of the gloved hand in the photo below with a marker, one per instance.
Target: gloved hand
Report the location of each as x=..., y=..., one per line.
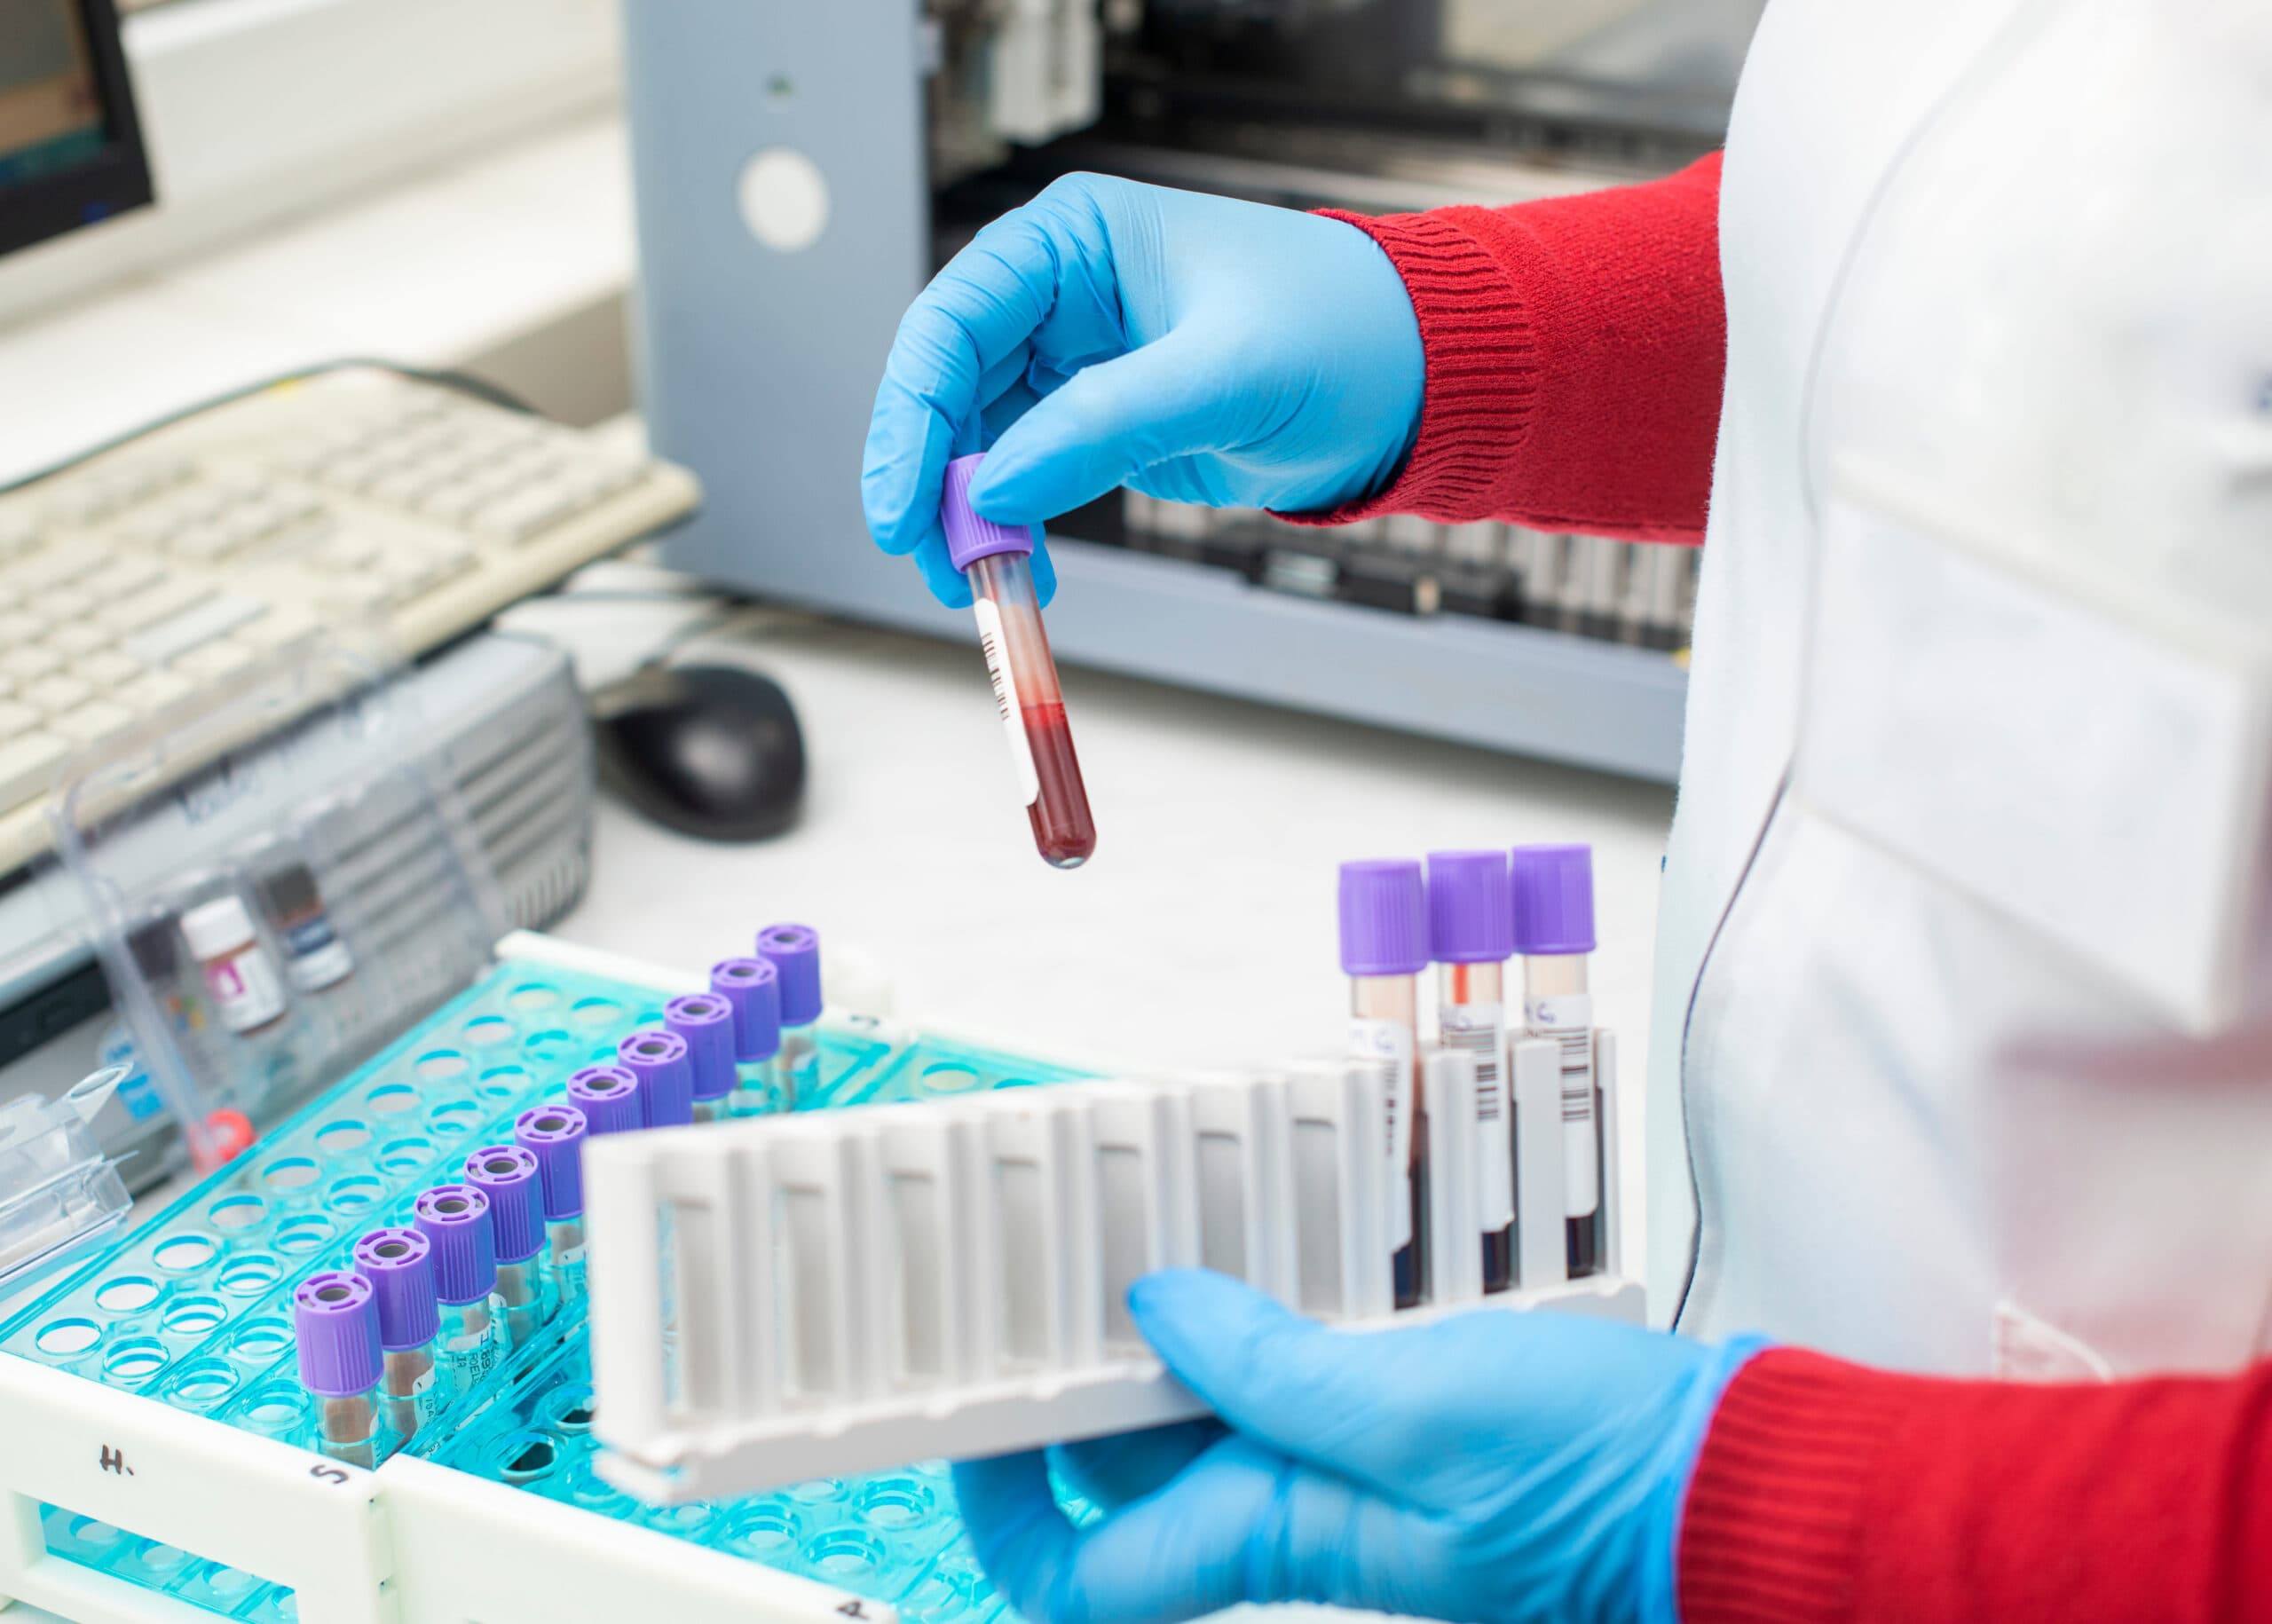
x=1491, y=1466
x=1194, y=348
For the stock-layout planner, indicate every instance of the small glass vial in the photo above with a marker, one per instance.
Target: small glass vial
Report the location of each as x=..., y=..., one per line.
x=1471, y=937
x=454, y=1219
x=506, y=1174
x=314, y=956
x=751, y=988
x=793, y=950
x=555, y=1135
x=335, y=1326
x=657, y=1057
x=704, y=1021
x=399, y=1265
x=247, y=994
x=1554, y=933
x=1383, y=909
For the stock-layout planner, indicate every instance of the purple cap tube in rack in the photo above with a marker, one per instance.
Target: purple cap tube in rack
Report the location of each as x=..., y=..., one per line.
x=793, y=950
x=555, y=1135
x=609, y=1097
x=335, y=1321
x=705, y=1022
x=657, y=1057
x=508, y=1176
x=1470, y=908
x=454, y=1219
x=399, y=1265
x=1383, y=906
x=752, y=988
x=1553, y=900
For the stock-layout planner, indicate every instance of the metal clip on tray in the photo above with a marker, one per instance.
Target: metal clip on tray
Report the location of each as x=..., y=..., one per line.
x=850, y=1290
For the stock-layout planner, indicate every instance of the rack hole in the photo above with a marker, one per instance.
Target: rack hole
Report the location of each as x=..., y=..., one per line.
x=482, y=1030
x=595, y=1011
x=303, y=1234
x=339, y=1138
x=390, y=1099
x=262, y=1339
x=193, y=1316
x=236, y=1212
x=458, y=1116
x=292, y=1173
x=249, y=1276
x=504, y=1082
x=354, y=1193
x=128, y=1293
x=571, y=1407
x=206, y=1382
x=185, y=1253
x=406, y=1155
x=843, y=1554
x=66, y=1338
x=436, y=1065
x=137, y=1360
x=548, y=1045
x=91, y=1531
x=948, y=1078
x=532, y=994
x=274, y=1409
x=522, y=1457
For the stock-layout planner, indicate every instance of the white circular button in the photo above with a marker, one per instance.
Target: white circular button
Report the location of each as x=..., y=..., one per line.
x=783, y=199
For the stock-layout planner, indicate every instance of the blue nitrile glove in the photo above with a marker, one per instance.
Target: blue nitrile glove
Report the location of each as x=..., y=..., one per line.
x=1194, y=348
x=1494, y=1467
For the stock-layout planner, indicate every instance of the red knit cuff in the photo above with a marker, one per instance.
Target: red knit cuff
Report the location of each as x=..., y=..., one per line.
x=1770, y=1532
x=1482, y=364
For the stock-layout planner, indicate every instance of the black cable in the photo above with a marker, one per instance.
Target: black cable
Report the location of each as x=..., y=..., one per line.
x=465, y=383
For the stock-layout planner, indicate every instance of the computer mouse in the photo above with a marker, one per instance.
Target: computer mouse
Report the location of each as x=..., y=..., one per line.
x=710, y=751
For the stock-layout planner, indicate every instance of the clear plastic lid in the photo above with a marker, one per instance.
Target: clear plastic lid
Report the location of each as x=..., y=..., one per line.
x=304, y=812
x=57, y=1188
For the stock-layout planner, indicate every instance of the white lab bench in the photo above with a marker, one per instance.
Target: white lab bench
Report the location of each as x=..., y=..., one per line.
x=1201, y=933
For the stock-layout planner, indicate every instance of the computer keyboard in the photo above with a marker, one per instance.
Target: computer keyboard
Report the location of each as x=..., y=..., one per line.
x=149, y=574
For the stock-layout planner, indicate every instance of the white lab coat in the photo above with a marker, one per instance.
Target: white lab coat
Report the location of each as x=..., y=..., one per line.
x=1962, y=1055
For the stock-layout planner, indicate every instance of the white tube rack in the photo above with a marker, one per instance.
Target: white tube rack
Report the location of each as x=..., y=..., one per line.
x=847, y=1291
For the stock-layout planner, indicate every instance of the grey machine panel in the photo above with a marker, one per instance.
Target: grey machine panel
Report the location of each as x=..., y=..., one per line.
x=758, y=368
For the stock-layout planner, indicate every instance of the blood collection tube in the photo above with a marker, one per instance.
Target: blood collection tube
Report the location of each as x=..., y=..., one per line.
x=508, y=1176
x=1383, y=949
x=752, y=989
x=793, y=950
x=1554, y=932
x=555, y=1135
x=454, y=1219
x=609, y=1097
x=657, y=1057
x=705, y=1022
x=1471, y=937
x=335, y=1325
x=996, y=559
x=399, y=1265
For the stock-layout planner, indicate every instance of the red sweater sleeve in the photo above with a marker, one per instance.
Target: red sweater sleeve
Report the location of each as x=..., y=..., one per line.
x=1827, y=1493
x=1575, y=349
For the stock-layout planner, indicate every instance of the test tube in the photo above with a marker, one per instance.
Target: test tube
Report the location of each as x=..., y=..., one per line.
x=335, y=1325
x=399, y=1265
x=657, y=1057
x=793, y=950
x=454, y=1219
x=508, y=1176
x=608, y=1096
x=705, y=1022
x=1383, y=949
x=997, y=558
x=1471, y=937
x=555, y=1135
x=1554, y=932
x=752, y=989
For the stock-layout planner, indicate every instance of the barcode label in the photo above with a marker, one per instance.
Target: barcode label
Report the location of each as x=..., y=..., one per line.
x=1480, y=1029
x=1006, y=698
x=1568, y=1019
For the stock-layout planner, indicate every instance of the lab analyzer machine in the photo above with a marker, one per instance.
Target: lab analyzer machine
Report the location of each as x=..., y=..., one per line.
x=801, y=171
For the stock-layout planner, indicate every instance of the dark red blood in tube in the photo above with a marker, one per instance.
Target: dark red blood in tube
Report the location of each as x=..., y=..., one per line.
x=1062, y=828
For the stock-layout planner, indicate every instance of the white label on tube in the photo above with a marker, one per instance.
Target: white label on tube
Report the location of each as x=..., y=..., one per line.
x=1480, y=1029
x=1568, y=1019
x=1006, y=698
x=1390, y=1042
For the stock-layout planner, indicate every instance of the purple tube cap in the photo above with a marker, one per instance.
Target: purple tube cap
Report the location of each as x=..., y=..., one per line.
x=508, y=1176
x=609, y=1097
x=555, y=1135
x=454, y=1219
x=657, y=1057
x=970, y=537
x=1384, y=918
x=793, y=950
x=752, y=988
x=336, y=1322
x=1553, y=899
x=1470, y=908
x=705, y=1022
x=399, y=1265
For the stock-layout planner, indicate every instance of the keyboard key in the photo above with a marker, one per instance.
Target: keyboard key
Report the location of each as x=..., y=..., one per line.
x=158, y=642
x=106, y=668
x=152, y=691
x=27, y=662
x=348, y=549
x=19, y=533
x=129, y=575
x=161, y=602
x=60, y=565
x=58, y=694
x=63, y=604
x=276, y=629
x=93, y=722
x=15, y=719
x=524, y=513
x=76, y=640
x=16, y=627
x=214, y=659
x=28, y=764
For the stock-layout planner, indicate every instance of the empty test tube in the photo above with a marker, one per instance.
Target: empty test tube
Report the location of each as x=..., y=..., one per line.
x=1471, y=937
x=399, y=1265
x=705, y=1022
x=1554, y=933
x=454, y=1219
x=657, y=1056
x=998, y=560
x=793, y=950
x=336, y=1327
x=508, y=1176
x=555, y=1135
x=752, y=988
x=1383, y=908
x=609, y=1097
